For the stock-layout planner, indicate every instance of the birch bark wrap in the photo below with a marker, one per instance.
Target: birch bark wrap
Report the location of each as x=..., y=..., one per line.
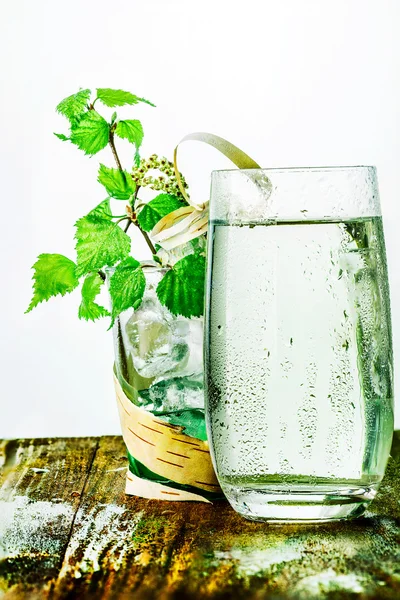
x=165, y=450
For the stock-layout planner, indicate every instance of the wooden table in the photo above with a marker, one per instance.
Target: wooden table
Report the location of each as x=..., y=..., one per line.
x=68, y=531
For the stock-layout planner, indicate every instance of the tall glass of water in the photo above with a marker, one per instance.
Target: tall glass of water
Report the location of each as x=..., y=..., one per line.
x=298, y=351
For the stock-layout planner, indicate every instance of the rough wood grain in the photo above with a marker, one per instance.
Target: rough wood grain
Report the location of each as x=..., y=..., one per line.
x=119, y=543
x=124, y=547
x=41, y=482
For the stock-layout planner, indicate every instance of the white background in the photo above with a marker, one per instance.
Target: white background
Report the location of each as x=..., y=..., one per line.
x=292, y=82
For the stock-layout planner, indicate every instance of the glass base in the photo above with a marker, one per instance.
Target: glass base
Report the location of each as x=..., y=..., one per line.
x=299, y=505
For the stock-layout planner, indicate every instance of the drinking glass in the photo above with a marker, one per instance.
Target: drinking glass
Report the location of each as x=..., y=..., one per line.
x=298, y=351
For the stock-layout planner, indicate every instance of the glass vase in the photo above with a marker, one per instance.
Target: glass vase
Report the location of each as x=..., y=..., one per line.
x=160, y=394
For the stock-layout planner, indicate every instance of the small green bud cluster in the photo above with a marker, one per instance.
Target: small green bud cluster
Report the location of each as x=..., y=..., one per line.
x=167, y=182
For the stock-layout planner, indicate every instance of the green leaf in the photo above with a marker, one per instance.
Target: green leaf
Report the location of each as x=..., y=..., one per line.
x=156, y=209
x=119, y=184
x=131, y=130
x=102, y=210
x=145, y=101
x=88, y=309
x=126, y=287
x=61, y=137
x=90, y=133
x=100, y=241
x=112, y=98
x=181, y=289
x=73, y=106
x=54, y=274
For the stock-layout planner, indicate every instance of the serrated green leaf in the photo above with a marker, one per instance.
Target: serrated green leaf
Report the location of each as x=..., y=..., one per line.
x=100, y=241
x=61, y=137
x=130, y=130
x=102, y=210
x=88, y=309
x=90, y=133
x=146, y=102
x=111, y=97
x=127, y=286
x=181, y=289
x=54, y=274
x=119, y=184
x=156, y=209
x=74, y=105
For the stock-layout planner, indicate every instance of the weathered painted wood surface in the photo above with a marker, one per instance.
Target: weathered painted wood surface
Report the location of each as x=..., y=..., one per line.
x=67, y=530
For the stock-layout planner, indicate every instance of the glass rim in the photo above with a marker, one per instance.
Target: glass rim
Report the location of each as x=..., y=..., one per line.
x=319, y=192
x=299, y=169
